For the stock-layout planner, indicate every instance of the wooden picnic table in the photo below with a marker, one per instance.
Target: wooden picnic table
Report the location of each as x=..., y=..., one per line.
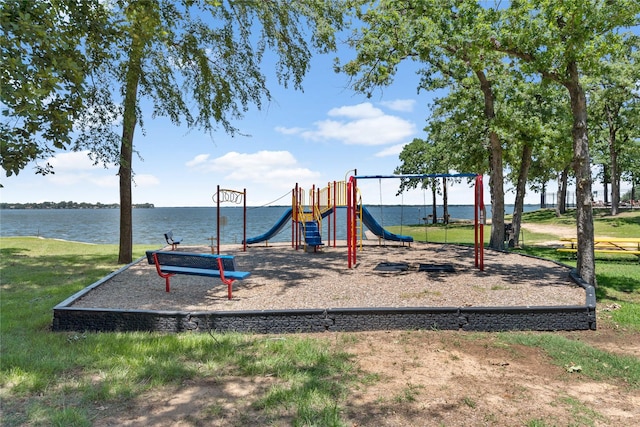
x=610, y=245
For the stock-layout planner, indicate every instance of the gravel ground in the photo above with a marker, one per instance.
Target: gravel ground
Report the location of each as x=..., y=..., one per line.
x=283, y=278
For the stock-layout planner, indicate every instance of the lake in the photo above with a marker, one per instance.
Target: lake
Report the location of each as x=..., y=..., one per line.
x=194, y=224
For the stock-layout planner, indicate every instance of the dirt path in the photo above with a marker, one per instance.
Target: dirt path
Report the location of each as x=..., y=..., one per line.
x=562, y=231
x=418, y=378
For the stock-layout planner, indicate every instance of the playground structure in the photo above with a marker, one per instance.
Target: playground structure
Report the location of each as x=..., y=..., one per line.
x=308, y=214
x=311, y=213
x=354, y=202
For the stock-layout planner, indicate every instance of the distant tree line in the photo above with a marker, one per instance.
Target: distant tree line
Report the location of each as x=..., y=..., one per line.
x=71, y=205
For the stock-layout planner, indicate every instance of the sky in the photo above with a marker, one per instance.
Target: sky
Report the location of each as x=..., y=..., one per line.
x=307, y=138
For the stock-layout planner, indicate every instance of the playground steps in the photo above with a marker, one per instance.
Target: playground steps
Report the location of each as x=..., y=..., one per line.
x=312, y=234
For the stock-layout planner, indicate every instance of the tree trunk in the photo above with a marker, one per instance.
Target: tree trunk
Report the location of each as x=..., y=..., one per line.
x=125, y=172
x=605, y=184
x=434, y=199
x=582, y=167
x=496, y=178
x=521, y=189
x=563, y=179
x=614, y=173
x=445, y=202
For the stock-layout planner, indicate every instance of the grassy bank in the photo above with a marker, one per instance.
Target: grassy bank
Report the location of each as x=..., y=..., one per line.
x=626, y=224
x=68, y=379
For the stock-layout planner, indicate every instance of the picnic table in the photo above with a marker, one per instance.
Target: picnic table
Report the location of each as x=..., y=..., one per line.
x=606, y=245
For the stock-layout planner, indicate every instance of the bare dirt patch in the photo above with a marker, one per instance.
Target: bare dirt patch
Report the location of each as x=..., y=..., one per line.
x=406, y=378
x=414, y=378
x=562, y=231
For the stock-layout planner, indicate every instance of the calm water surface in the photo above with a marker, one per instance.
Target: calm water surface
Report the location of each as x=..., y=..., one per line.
x=194, y=224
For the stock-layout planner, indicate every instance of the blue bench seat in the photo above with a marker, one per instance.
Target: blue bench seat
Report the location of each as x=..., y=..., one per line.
x=169, y=264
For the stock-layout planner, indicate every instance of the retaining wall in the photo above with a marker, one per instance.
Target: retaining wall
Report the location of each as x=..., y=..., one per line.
x=548, y=318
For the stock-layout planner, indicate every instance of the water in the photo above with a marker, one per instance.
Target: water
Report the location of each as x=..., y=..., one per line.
x=194, y=224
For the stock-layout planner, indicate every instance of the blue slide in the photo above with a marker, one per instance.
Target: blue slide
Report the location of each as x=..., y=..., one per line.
x=377, y=229
x=284, y=220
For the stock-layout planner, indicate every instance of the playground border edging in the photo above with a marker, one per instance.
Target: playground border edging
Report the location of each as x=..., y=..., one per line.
x=540, y=318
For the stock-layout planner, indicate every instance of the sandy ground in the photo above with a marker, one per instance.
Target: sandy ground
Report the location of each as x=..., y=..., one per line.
x=285, y=278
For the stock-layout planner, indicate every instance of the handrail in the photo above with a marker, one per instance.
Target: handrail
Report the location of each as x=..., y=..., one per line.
x=318, y=201
x=337, y=198
x=359, y=205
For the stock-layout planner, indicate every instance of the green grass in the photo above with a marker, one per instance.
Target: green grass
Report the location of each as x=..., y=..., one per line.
x=618, y=284
x=626, y=224
x=595, y=364
x=63, y=378
x=60, y=378
x=440, y=233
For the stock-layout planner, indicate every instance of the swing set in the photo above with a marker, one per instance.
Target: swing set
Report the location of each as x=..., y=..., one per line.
x=354, y=212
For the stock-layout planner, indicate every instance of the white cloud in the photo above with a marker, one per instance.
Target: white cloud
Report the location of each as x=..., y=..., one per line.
x=289, y=131
x=361, y=124
x=404, y=105
x=71, y=161
x=359, y=111
x=278, y=168
x=145, y=180
x=393, y=150
x=76, y=169
x=110, y=181
x=198, y=160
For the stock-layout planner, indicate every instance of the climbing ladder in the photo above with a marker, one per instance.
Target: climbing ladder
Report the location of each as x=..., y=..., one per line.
x=309, y=215
x=310, y=226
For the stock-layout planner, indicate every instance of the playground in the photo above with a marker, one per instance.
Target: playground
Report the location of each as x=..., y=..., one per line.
x=315, y=210
x=420, y=285
x=386, y=276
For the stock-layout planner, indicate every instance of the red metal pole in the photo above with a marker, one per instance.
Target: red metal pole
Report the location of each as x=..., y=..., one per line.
x=244, y=232
x=218, y=220
x=329, y=216
x=354, y=227
x=484, y=215
x=294, y=210
x=476, y=211
x=349, y=209
x=479, y=219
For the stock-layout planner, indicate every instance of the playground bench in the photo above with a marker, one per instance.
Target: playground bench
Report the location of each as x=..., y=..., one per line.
x=173, y=241
x=620, y=245
x=169, y=264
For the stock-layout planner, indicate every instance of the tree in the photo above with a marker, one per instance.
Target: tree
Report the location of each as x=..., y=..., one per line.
x=614, y=109
x=422, y=157
x=456, y=124
x=437, y=34
x=562, y=41
x=533, y=122
x=197, y=62
x=43, y=79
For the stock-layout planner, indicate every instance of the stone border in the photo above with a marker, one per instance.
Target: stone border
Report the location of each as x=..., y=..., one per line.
x=549, y=318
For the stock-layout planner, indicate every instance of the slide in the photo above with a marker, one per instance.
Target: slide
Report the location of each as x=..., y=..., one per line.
x=377, y=229
x=284, y=220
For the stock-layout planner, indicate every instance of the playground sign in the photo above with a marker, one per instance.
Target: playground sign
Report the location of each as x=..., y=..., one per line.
x=225, y=195
x=233, y=196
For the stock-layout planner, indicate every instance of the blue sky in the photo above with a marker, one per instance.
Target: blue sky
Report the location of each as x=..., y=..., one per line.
x=311, y=137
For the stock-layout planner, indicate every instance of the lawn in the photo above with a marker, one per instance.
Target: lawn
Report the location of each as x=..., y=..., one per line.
x=68, y=379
